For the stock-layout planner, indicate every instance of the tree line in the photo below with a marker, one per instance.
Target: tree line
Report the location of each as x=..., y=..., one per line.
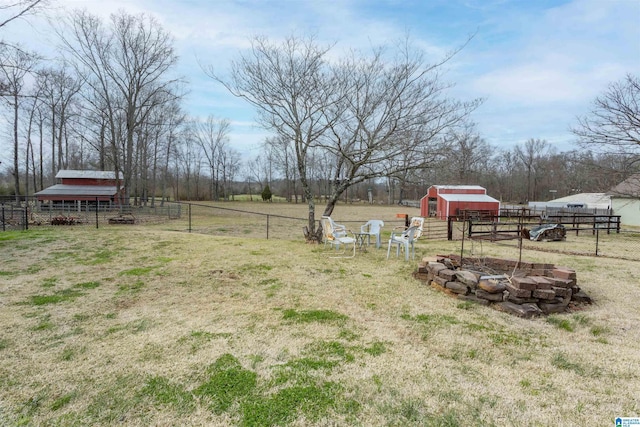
x=377, y=124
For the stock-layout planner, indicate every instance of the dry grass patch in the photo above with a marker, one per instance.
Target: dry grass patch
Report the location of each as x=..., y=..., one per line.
x=144, y=326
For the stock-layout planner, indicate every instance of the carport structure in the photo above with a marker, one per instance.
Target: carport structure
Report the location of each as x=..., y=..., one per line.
x=77, y=186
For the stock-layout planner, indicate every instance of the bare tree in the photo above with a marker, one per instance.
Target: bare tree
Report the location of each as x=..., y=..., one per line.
x=530, y=155
x=291, y=88
x=614, y=121
x=189, y=165
x=280, y=152
x=364, y=111
x=19, y=9
x=15, y=64
x=613, y=125
x=127, y=68
x=259, y=169
x=468, y=153
x=60, y=90
x=174, y=119
x=229, y=167
x=33, y=110
x=212, y=135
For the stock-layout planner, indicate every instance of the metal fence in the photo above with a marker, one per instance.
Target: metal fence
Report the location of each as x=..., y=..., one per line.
x=622, y=243
x=13, y=217
x=226, y=221
x=174, y=216
x=27, y=214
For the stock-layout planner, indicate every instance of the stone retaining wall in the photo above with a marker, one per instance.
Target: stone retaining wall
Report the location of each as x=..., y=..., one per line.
x=522, y=288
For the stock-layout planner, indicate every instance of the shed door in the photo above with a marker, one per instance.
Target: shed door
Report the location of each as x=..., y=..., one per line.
x=433, y=206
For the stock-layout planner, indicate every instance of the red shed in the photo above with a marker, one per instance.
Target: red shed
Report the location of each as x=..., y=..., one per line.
x=443, y=201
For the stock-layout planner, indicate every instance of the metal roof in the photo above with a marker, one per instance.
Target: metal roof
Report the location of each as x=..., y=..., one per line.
x=592, y=200
x=69, y=173
x=468, y=198
x=79, y=190
x=459, y=187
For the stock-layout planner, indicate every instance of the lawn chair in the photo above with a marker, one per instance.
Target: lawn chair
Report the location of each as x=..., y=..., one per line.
x=418, y=222
x=336, y=235
x=403, y=241
x=339, y=230
x=373, y=227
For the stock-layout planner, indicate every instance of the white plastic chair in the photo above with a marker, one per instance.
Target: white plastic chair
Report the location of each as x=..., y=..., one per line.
x=373, y=227
x=403, y=241
x=335, y=236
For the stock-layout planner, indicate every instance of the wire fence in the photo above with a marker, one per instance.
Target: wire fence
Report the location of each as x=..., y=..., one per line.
x=623, y=243
x=614, y=242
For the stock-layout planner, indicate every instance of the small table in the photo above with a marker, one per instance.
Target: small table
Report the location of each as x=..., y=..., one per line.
x=361, y=240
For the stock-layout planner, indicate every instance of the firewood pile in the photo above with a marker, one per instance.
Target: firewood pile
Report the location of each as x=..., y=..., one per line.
x=523, y=289
x=65, y=220
x=123, y=219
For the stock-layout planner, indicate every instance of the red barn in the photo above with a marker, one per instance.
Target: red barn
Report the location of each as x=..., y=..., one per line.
x=443, y=201
x=77, y=186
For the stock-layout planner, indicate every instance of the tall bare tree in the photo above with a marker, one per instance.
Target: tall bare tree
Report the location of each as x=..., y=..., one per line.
x=394, y=118
x=59, y=89
x=530, y=154
x=212, y=136
x=15, y=64
x=365, y=110
x=229, y=166
x=613, y=125
x=280, y=152
x=189, y=165
x=173, y=120
x=291, y=88
x=468, y=153
x=128, y=68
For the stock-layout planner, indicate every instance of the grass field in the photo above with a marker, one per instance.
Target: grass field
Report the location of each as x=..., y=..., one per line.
x=137, y=326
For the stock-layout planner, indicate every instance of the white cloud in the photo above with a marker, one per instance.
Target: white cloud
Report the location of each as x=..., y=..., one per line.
x=538, y=66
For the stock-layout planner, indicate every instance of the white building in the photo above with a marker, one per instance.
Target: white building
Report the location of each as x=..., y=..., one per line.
x=625, y=200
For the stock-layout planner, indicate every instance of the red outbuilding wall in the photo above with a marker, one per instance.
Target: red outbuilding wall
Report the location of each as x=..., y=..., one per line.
x=443, y=201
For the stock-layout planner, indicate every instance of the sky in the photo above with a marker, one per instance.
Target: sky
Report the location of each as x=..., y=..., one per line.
x=537, y=64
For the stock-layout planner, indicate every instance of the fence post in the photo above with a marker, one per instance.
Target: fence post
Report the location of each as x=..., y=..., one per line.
x=26, y=217
x=597, y=239
x=3, y=226
x=267, y=226
x=449, y=228
x=97, y=208
x=189, y=217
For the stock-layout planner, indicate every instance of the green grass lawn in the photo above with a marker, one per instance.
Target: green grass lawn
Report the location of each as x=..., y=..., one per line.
x=136, y=326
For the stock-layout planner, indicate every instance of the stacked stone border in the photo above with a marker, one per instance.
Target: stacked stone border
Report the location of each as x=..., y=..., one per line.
x=521, y=288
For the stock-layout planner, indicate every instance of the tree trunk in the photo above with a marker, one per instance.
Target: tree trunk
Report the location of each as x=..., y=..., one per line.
x=16, y=155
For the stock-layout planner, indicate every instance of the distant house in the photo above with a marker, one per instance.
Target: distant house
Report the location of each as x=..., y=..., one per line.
x=583, y=201
x=443, y=201
x=625, y=200
x=77, y=186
